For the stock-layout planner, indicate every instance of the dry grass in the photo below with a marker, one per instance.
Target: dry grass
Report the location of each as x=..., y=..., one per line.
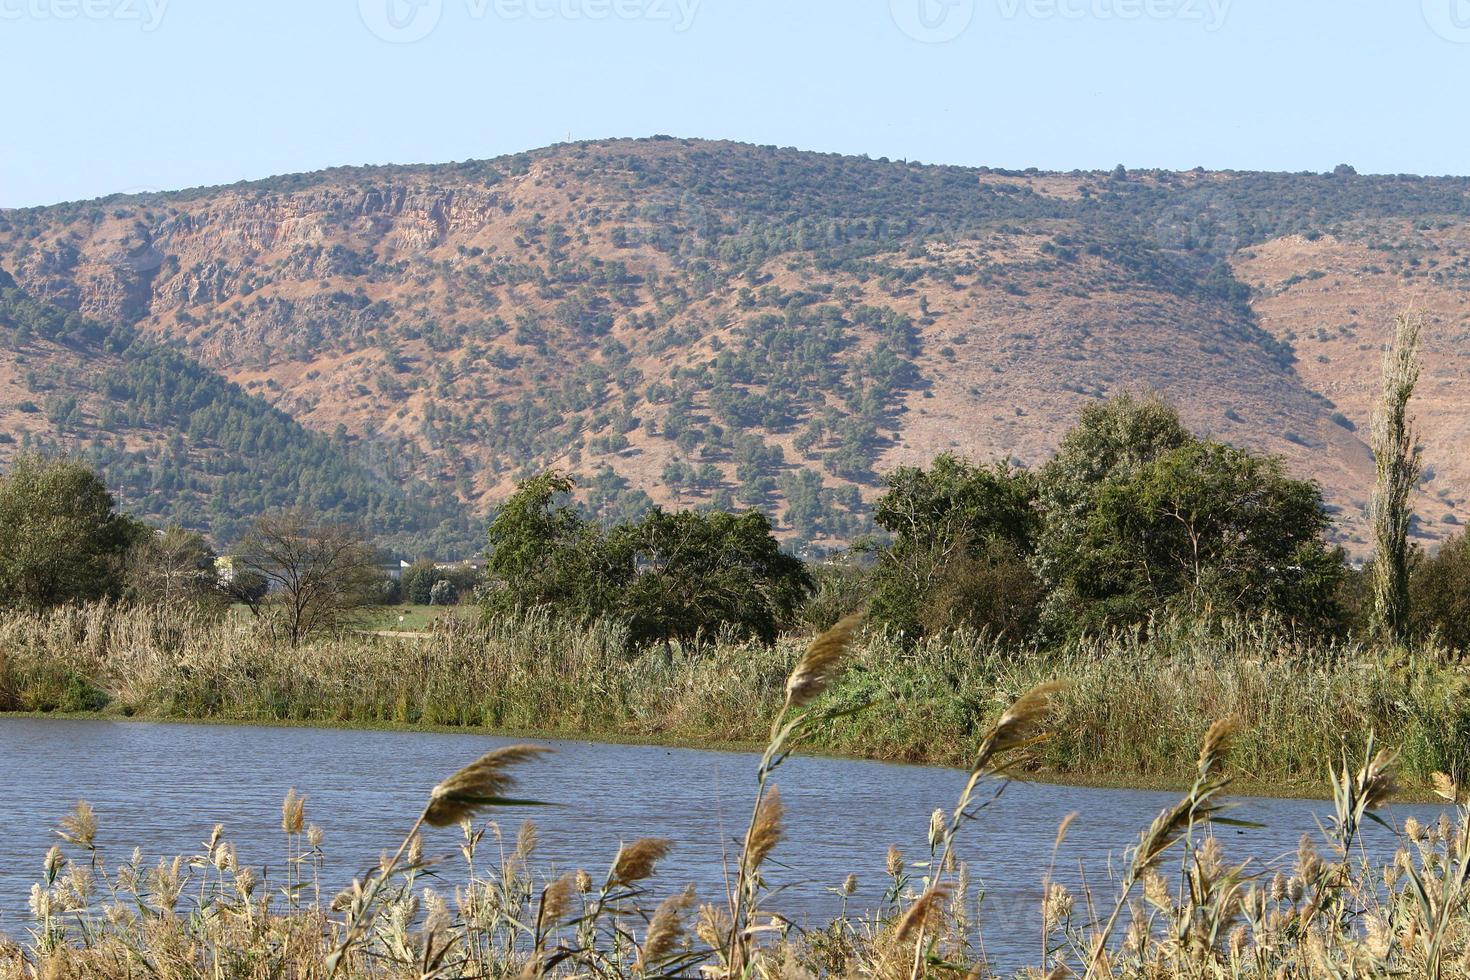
x=1126, y=713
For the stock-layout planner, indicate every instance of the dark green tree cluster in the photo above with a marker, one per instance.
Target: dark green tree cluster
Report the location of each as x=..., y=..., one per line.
x=61, y=537
x=685, y=577
x=1439, y=594
x=1139, y=516
x=228, y=456
x=424, y=583
x=1132, y=518
x=961, y=535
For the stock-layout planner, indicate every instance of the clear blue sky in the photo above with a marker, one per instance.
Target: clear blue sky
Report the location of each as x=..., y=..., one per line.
x=105, y=96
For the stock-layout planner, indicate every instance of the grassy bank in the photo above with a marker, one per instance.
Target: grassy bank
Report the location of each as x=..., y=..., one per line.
x=1130, y=715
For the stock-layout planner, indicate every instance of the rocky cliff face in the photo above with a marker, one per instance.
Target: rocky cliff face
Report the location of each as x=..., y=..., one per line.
x=740, y=325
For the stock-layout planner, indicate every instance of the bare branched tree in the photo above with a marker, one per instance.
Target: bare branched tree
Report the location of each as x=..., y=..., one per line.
x=319, y=574
x=1396, y=449
x=172, y=567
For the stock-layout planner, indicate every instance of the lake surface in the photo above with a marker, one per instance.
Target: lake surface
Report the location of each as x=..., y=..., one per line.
x=162, y=787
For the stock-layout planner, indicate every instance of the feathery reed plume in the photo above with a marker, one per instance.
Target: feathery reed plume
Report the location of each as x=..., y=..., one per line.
x=480, y=784
x=1170, y=824
x=821, y=664
x=1046, y=882
x=526, y=837
x=293, y=812
x=1356, y=793
x=1018, y=726
x=924, y=914
x=556, y=898
x=53, y=864
x=556, y=902
x=1378, y=779
x=638, y=860
x=1162, y=833
x=665, y=929
x=1216, y=745
x=937, y=823
x=766, y=832
x=80, y=826
x=1062, y=829
x=815, y=672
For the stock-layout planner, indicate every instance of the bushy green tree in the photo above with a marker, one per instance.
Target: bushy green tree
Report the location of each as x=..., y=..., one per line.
x=1209, y=527
x=671, y=576
x=1139, y=517
x=1439, y=589
x=61, y=540
x=697, y=573
x=993, y=589
x=542, y=553
x=952, y=525
x=418, y=582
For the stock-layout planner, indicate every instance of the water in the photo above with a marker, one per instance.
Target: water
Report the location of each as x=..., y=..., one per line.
x=162, y=787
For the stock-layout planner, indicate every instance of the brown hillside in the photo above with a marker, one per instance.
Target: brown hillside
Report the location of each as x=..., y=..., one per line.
x=717, y=322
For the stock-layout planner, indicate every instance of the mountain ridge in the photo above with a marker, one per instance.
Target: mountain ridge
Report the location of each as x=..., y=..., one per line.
x=694, y=323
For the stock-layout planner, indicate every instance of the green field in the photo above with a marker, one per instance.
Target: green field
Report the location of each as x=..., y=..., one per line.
x=389, y=619
x=406, y=619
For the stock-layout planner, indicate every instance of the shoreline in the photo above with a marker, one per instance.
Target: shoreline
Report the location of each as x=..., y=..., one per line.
x=1241, y=786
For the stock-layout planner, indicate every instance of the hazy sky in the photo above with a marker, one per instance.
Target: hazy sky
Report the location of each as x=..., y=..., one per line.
x=105, y=96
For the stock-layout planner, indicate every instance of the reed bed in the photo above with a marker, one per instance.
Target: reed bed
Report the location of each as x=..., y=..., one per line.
x=1176, y=907
x=1133, y=705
